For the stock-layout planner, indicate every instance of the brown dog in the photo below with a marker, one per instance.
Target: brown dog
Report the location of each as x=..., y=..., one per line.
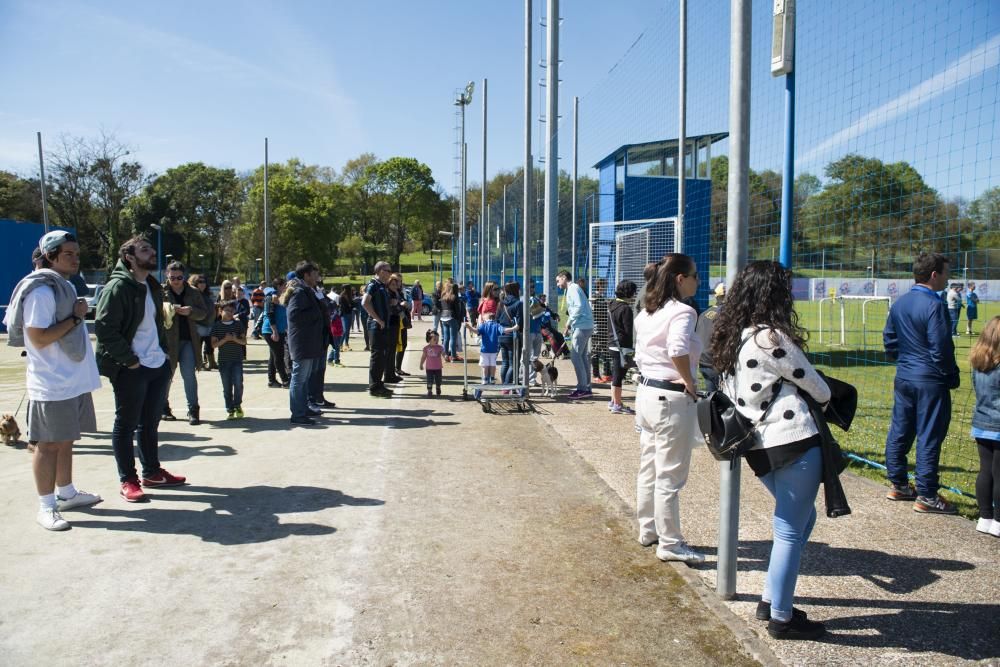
x=9, y=431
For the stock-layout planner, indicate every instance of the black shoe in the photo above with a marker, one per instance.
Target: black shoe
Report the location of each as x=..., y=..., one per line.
x=763, y=612
x=381, y=393
x=428, y=392
x=286, y=385
x=168, y=415
x=403, y=373
x=274, y=384
x=394, y=379
x=306, y=421
x=194, y=416
x=327, y=404
x=799, y=627
x=314, y=413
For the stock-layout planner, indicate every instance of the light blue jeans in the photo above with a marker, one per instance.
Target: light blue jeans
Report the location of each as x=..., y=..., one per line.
x=794, y=488
x=451, y=330
x=580, y=356
x=186, y=362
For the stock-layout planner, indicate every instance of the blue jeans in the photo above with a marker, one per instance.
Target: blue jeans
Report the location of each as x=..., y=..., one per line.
x=231, y=373
x=922, y=410
x=955, y=314
x=347, y=320
x=450, y=331
x=186, y=362
x=580, y=356
x=334, y=354
x=507, y=361
x=298, y=390
x=794, y=488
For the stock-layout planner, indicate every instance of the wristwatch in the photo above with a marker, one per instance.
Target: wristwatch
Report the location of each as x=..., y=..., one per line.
x=76, y=320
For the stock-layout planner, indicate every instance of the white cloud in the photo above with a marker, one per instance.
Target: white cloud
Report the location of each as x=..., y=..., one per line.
x=972, y=64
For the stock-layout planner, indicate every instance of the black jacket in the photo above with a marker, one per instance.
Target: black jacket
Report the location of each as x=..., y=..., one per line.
x=620, y=314
x=306, y=325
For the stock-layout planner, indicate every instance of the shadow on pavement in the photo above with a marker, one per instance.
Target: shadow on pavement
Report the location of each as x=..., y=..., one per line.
x=968, y=631
x=234, y=516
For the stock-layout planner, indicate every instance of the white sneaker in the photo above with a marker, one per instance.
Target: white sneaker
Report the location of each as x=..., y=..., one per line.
x=681, y=552
x=995, y=529
x=51, y=520
x=81, y=499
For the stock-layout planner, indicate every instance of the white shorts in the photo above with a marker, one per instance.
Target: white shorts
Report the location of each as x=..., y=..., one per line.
x=488, y=359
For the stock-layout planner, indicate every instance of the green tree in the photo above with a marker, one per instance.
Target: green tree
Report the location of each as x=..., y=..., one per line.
x=408, y=185
x=20, y=198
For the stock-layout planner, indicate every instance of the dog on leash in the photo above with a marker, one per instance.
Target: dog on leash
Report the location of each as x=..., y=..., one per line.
x=550, y=377
x=9, y=431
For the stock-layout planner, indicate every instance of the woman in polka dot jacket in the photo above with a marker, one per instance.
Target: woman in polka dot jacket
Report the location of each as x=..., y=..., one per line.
x=757, y=347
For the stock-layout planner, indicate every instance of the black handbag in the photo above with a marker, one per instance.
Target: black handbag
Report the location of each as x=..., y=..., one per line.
x=728, y=433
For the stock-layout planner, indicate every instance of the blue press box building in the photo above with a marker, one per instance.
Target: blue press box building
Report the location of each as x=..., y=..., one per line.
x=638, y=186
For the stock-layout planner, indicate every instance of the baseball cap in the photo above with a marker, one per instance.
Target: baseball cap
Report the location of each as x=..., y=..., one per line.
x=54, y=239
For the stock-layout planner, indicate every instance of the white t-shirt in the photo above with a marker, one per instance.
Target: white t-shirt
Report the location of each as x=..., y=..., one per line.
x=146, y=343
x=52, y=375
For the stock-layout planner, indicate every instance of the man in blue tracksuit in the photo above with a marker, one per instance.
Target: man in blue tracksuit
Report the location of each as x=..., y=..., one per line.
x=918, y=334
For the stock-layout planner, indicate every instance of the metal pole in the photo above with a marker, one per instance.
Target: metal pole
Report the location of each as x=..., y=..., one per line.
x=788, y=178
x=461, y=214
x=740, y=26
x=681, y=126
x=528, y=192
x=267, y=226
x=576, y=165
x=550, y=258
x=159, y=250
x=482, y=216
x=41, y=170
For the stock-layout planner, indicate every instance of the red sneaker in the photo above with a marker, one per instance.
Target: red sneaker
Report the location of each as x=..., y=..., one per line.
x=131, y=491
x=163, y=478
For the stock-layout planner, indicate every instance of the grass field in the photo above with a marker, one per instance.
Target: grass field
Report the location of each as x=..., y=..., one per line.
x=861, y=362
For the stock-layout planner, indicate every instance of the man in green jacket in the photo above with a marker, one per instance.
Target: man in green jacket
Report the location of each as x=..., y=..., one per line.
x=132, y=353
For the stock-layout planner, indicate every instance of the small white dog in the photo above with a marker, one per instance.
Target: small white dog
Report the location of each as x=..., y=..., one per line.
x=549, y=375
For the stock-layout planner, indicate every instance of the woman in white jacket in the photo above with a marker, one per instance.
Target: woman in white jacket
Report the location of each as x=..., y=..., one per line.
x=757, y=347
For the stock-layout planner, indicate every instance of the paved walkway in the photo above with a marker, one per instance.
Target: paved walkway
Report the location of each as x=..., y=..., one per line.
x=410, y=531
x=892, y=586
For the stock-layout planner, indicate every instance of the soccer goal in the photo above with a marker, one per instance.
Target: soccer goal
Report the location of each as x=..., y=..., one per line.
x=854, y=322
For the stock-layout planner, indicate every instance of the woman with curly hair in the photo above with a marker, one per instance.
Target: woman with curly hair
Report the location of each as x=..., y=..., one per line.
x=758, y=350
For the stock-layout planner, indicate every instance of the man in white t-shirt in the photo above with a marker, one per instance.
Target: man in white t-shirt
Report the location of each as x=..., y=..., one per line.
x=61, y=374
x=132, y=353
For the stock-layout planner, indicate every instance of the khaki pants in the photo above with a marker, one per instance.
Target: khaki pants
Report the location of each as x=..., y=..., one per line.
x=667, y=419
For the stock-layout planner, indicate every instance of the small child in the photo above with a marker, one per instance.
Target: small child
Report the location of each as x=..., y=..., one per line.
x=229, y=338
x=432, y=358
x=336, y=336
x=489, y=343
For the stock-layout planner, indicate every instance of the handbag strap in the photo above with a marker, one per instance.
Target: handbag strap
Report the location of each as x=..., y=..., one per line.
x=780, y=382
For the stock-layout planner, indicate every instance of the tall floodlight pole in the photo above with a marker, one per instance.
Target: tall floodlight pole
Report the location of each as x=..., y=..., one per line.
x=267, y=237
x=482, y=216
x=740, y=27
x=41, y=171
x=783, y=62
x=681, y=126
x=551, y=234
x=529, y=197
x=464, y=100
x=576, y=166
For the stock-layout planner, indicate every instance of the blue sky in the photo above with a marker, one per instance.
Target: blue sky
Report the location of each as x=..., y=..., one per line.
x=325, y=81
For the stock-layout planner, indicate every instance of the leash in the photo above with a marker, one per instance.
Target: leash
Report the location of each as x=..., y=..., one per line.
x=20, y=404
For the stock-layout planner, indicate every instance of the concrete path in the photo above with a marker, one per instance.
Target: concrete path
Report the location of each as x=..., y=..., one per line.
x=402, y=531
x=892, y=586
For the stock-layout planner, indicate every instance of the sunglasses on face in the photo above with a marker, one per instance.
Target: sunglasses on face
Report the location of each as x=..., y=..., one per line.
x=175, y=277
